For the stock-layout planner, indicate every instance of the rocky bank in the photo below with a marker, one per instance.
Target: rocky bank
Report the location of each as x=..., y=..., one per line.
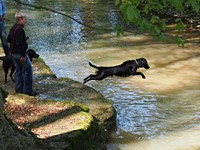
x=65, y=115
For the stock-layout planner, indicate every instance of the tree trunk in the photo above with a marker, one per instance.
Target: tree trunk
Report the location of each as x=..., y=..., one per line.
x=10, y=136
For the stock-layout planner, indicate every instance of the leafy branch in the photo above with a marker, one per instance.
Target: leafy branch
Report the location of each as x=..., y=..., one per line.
x=146, y=15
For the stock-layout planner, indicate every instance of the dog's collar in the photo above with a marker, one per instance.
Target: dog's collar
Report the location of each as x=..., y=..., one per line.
x=137, y=63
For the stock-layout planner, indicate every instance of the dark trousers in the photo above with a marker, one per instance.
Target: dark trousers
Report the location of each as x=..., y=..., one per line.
x=23, y=74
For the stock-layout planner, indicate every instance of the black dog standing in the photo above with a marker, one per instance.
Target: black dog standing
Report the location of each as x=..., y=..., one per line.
x=9, y=64
x=126, y=69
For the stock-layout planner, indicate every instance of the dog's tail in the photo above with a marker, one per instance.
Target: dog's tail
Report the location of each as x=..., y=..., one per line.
x=93, y=65
x=2, y=57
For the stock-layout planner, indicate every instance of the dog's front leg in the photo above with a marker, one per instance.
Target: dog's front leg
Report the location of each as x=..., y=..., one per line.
x=141, y=74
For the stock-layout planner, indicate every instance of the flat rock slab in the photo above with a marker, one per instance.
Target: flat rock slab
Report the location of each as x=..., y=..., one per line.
x=63, y=109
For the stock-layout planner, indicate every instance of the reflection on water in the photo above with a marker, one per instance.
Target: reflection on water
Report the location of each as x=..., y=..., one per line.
x=160, y=110
x=187, y=140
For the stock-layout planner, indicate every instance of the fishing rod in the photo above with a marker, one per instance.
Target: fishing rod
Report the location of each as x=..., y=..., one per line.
x=54, y=11
x=79, y=22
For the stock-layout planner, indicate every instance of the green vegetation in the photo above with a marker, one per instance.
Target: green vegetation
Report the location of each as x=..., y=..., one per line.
x=151, y=15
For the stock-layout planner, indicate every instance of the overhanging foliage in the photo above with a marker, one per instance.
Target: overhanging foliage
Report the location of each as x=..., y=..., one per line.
x=148, y=15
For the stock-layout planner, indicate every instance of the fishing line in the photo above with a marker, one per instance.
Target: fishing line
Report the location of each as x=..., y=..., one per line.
x=69, y=17
x=79, y=22
x=54, y=11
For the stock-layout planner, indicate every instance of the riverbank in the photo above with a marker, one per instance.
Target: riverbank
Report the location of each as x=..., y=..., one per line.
x=65, y=115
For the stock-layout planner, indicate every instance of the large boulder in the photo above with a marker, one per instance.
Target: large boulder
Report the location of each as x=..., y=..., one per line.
x=65, y=115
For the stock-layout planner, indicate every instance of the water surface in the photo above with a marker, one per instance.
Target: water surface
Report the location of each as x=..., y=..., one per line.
x=163, y=109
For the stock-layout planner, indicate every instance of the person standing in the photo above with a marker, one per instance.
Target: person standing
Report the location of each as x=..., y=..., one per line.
x=3, y=28
x=18, y=47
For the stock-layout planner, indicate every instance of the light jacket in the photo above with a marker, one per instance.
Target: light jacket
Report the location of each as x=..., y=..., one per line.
x=2, y=8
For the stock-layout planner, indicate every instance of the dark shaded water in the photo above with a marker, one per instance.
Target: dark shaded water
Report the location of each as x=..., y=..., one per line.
x=161, y=110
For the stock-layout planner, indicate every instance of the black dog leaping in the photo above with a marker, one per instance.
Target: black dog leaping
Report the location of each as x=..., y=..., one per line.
x=126, y=69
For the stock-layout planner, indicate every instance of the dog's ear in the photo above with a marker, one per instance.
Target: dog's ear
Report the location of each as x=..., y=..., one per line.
x=138, y=60
x=141, y=59
x=30, y=50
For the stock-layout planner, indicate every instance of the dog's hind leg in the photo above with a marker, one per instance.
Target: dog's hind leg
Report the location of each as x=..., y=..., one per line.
x=11, y=73
x=87, y=79
x=94, y=77
x=6, y=73
x=6, y=78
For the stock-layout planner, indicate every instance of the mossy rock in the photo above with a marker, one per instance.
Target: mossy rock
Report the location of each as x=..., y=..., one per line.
x=65, y=115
